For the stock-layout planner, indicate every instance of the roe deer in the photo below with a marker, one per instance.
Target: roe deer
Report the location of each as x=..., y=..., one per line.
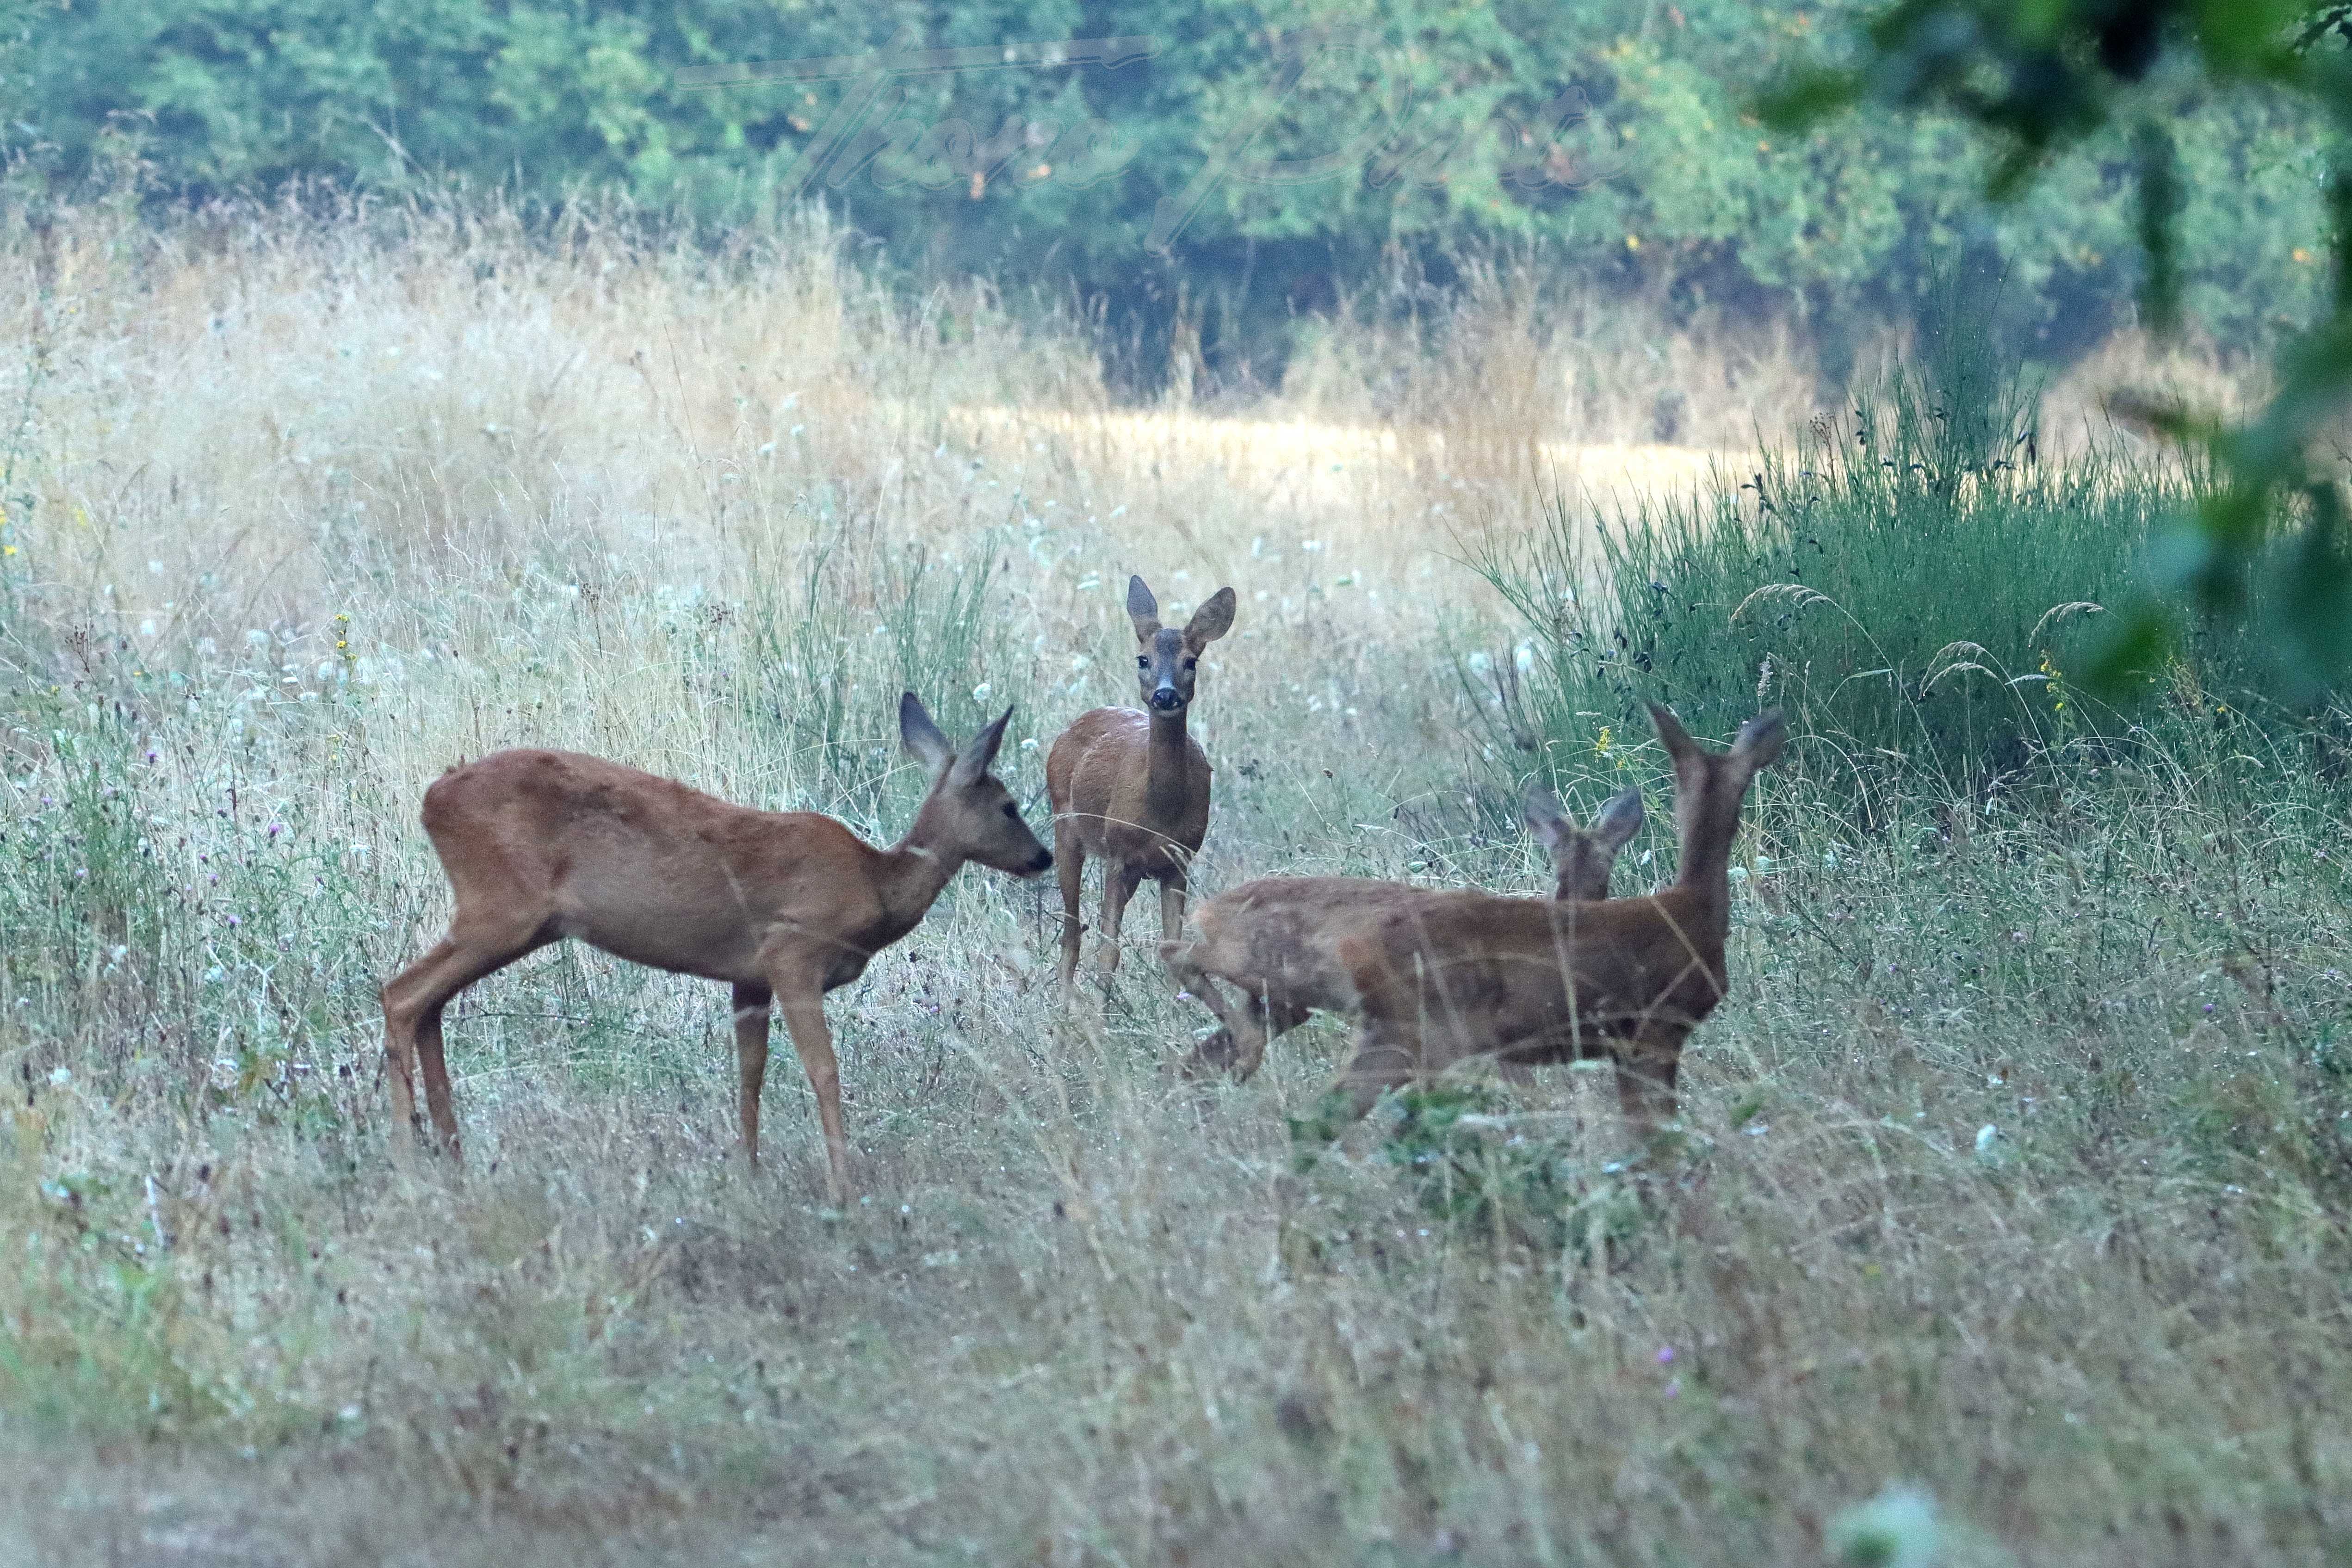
x=1275, y=938
x=540, y=846
x=1132, y=789
x=1461, y=974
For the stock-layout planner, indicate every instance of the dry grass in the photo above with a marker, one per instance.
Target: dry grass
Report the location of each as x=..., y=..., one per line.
x=606, y=493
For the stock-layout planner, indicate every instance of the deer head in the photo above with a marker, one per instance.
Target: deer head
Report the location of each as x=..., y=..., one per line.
x=967, y=814
x=1580, y=858
x=1708, y=787
x=1164, y=660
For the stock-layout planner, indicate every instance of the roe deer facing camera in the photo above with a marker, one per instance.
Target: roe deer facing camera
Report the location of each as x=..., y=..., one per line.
x=540, y=846
x=1132, y=789
x=1275, y=938
x=1531, y=981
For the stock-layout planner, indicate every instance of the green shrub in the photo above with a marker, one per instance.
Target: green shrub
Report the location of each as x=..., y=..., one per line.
x=1482, y=1173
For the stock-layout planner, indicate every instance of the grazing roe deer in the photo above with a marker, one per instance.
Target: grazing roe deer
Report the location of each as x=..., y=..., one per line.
x=1132, y=789
x=1531, y=981
x=1275, y=938
x=540, y=845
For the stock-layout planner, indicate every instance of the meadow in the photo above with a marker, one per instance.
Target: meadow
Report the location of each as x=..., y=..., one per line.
x=2008, y=1222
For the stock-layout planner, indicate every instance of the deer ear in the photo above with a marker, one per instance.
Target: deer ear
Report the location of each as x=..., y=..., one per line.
x=973, y=764
x=1142, y=609
x=1541, y=811
x=920, y=735
x=1211, y=621
x=1679, y=745
x=1760, y=739
x=1619, y=820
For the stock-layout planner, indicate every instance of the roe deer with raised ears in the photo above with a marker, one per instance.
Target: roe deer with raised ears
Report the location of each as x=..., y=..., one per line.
x=1531, y=981
x=784, y=906
x=1132, y=789
x=1273, y=938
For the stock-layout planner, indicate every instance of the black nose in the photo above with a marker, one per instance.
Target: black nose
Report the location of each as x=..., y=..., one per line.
x=1045, y=861
x=1165, y=697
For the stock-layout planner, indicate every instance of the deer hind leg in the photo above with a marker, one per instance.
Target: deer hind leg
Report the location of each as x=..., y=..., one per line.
x=1069, y=864
x=412, y=1001
x=752, y=1001
x=1119, y=882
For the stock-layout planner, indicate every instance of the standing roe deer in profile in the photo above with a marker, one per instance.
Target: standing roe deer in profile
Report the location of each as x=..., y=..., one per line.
x=1275, y=938
x=1531, y=981
x=540, y=845
x=1132, y=789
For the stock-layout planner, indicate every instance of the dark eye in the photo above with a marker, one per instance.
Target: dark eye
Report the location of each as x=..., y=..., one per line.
x=1012, y=810
x=1143, y=661
x=1190, y=662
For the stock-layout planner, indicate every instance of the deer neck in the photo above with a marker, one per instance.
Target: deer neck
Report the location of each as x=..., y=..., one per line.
x=1705, y=870
x=1167, y=768
x=913, y=872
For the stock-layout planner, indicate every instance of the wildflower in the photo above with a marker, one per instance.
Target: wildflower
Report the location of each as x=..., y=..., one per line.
x=1665, y=1355
x=1605, y=741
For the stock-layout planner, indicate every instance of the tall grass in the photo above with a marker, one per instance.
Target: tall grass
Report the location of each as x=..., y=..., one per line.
x=2018, y=1162
x=1914, y=580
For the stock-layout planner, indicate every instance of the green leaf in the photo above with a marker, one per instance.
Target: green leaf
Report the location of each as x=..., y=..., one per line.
x=2130, y=650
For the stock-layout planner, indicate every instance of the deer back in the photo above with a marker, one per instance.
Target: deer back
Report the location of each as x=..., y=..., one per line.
x=641, y=865
x=1468, y=974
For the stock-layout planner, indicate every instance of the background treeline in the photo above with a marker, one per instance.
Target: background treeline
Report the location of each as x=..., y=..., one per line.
x=1610, y=134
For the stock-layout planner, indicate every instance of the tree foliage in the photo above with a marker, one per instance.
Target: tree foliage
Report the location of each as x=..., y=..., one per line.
x=1256, y=157
x=2045, y=79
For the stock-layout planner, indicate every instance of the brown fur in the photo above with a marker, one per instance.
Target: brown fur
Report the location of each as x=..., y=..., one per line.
x=1276, y=938
x=1531, y=981
x=540, y=845
x=1131, y=789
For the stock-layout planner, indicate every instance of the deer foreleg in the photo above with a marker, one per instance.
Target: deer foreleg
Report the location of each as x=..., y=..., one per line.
x=1172, y=906
x=802, y=1000
x=1120, y=883
x=1069, y=862
x=1647, y=1066
x=1383, y=1060
x=1182, y=960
